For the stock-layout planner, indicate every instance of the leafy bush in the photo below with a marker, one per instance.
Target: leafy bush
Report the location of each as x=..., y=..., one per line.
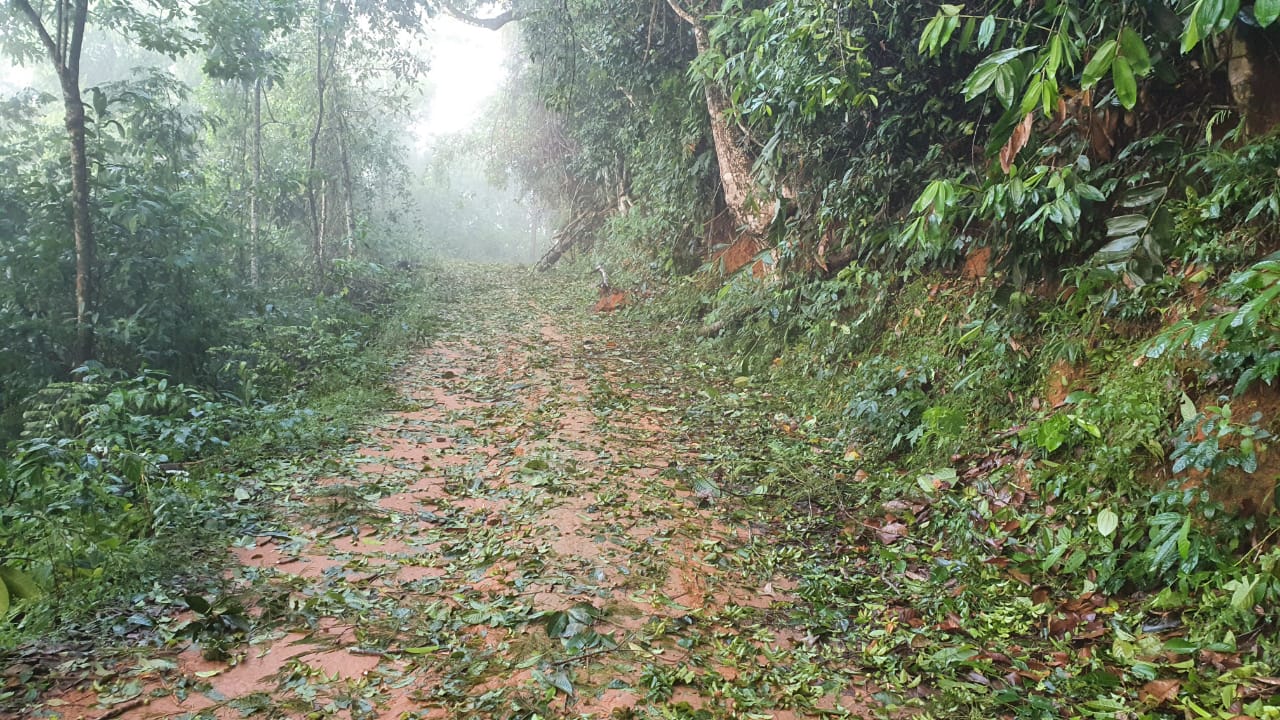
x=1242, y=339
x=97, y=484
x=1211, y=442
x=889, y=401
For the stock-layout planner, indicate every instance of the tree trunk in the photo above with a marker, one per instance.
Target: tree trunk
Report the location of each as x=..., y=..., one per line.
x=63, y=47
x=314, y=204
x=317, y=245
x=578, y=232
x=533, y=233
x=255, y=269
x=741, y=194
x=81, y=222
x=348, y=187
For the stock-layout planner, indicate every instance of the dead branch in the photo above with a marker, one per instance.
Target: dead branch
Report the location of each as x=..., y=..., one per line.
x=491, y=23
x=578, y=231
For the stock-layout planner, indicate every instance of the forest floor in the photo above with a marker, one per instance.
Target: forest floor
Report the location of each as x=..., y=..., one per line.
x=514, y=540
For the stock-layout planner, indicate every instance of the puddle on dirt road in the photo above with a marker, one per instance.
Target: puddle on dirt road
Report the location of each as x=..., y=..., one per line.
x=510, y=544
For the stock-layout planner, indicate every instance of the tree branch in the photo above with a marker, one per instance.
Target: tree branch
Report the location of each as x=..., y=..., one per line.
x=45, y=38
x=493, y=23
x=684, y=15
x=77, y=37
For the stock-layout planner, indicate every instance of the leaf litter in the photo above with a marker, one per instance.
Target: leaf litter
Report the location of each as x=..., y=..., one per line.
x=520, y=539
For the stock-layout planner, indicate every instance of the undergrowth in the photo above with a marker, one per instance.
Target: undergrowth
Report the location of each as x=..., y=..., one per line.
x=985, y=536
x=118, y=480
x=1016, y=497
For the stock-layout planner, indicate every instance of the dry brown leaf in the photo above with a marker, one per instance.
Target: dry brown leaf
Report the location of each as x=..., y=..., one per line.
x=1017, y=141
x=892, y=533
x=1158, y=692
x=953, y=623
x=1060, y=626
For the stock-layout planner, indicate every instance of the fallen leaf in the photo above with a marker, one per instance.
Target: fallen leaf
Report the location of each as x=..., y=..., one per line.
x=1060, y=626
x=1158, y=692
x=891, y=533
x=951, y=624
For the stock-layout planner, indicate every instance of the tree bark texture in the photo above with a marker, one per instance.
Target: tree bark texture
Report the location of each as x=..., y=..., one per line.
x=81, y=221
x=315, y=204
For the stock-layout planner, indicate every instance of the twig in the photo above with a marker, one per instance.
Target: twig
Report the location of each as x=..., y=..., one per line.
x=375, y=653
x=120, y=710
x=593, y=653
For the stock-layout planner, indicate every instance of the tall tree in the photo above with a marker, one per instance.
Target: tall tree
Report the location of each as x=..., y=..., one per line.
x=326, y=56
x=742, y=195
x=239, y=48
x=613, y=65
x=63, y=42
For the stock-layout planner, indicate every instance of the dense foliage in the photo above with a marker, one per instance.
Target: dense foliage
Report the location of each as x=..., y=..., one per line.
x=1012, y=324
x=251, y=271
x=989, y=291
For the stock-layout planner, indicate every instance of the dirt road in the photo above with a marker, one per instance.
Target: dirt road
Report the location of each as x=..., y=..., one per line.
x=516, y=541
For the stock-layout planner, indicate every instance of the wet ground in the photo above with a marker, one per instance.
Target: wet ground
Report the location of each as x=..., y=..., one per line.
x=517, y=541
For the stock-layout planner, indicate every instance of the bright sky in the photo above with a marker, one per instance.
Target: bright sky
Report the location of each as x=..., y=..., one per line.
x=12, y=77
x=467, y=67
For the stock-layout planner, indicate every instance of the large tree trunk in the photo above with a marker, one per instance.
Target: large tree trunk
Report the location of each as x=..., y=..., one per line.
x=741, y=193
x=63, y=47
x=1255, y=86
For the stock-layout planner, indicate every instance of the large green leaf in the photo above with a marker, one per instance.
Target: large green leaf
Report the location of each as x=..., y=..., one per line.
x=1126, y=225
x=1126, y=83
x=1266, y=11
x=1192, y=35
x=979, y=80
x=556, y=623
x=19, y=584
x=1118, y=249
x=1208, y=12
x=1143, y=196
x=1099, y=64
x=988, y=28
x=1007, y=83
x=1135, y=51
x=1107, y=521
